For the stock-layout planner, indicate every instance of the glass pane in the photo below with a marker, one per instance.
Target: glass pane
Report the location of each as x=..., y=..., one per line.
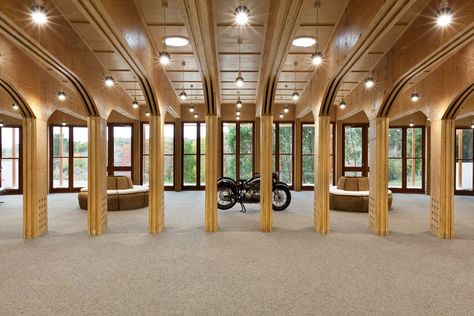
x=10, y=142
x=286, y=169
x=246, y=166
x=307, y=136
x=80, y=172
x=246, y=138
x=189, y=172
x=414, y=174
x=464, y=137
x=122, y=146
x=10, y=173
x=395, y=173
x=286, y=138
x=203, y=170
x=146, y=138
x=169, y=139
x=80, y=138
x=229, y=132
x=60, y=173
x=414, y=142
x=229, y=164
x=395, y=143
x=274, y=139
x=190, y=138
x=353, y=173
x=308, y=169
x=169, y=172
x=203, y=138
x=332, y=138
x=464, y=175
x=60, y=141
x=353, y=146
x=146, y=170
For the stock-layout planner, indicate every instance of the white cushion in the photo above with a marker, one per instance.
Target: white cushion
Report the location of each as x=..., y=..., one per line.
x=136, y=189
x=336, y=191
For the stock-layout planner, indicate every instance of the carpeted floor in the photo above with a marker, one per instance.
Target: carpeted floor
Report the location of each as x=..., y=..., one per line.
x=292, y=271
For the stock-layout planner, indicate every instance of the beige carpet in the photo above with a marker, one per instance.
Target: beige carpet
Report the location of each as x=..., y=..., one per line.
x=292, y=271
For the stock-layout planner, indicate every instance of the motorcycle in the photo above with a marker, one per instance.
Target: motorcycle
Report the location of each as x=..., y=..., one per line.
x=230, y=192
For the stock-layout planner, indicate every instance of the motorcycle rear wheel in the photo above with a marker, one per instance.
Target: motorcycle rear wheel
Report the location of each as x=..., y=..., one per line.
x=281, y=197
x=225, y=196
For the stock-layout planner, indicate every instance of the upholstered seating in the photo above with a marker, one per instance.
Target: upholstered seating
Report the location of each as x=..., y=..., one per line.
x=121, y=195
x=352, y=194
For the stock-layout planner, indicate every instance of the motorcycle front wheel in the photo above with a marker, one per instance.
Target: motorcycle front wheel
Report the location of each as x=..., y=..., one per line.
x=225, y=196
x=281, y=197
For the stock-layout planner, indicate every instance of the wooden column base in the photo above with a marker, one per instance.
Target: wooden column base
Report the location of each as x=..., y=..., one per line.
x=322, y=170
x=266, y=169
x=35, y=178
x=156, y=207
x=378, y=182
x=212, y=137
x=97, y=176
x=442, y=179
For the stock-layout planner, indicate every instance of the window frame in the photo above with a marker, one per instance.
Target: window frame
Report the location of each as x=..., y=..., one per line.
x=404, y=159
x=198, y=185
x=237, y=146
x=364, y=169
x=111, y=168
x=456, y=191
x=70, y=187
x=142, y=154
x=277, y=154
x=20, y=159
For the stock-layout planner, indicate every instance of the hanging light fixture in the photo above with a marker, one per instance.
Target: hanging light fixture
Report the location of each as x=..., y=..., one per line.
x=242, y=14
x=317, y=57
x=444, y=16
x=63, y=123
x=411, y=124
x=295, y=95
x=415, y=97
x=286, y=109
x=61, y=96
x=237, y=112
x=237, y=118
x=281, y=114
x=191, y=108
x=147, y=114
x=196, y=115
x=183, y=96
x=369, y=81
x=239, y=103
x=15, y=107
x=38, y=13
x=472, y=125
x=164, y=56
x=342, y=104
x=109, y=79
x=135, y=104
x=1, y=123
x=239, y=81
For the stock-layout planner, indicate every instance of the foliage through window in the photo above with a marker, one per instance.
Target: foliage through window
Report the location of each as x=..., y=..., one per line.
x=194, y=154
x=168, y=154
x=355, y=150
x=237, y=152
x=283, y=151
x=464, y=161
x=120, y=156
x=10, y=159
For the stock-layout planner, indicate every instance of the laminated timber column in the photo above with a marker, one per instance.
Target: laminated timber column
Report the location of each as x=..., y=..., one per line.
x=266, y=146
x=322, y=169
x=378, y=182
x=298, y=155
x=442, y=178
x=212, y=170
x=97, y=176
x=156, y=207
x=35, y=178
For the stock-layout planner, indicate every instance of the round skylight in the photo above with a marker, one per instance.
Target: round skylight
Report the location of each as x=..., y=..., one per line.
x=304, y=41
x=176, y=41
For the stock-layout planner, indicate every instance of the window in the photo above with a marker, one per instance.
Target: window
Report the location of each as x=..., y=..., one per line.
x=237, y=150
x=194, y=155
x=355, y=153
x=10, y=159
x=283, y=151
x=406, y=159
x=464, y=161
x=168, y=155
x=68, y=163
x=120, y=153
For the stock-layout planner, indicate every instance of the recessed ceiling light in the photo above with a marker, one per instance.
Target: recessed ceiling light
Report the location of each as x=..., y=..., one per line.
x=176, y=41
x=304, y=41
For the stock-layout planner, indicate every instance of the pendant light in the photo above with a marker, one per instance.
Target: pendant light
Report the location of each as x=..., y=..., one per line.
x=237, y=112
x=191, y=106
x=239, y=81
x=1, y=123
x=135, y=104
x=109, y=79
x=472, y=125
x=286, y=109
x=444, y=16
x=63, y=123
x=196, y=115
x=38, y=13
x=295, y=95
x=242, y=14
x=183, y=96
x=61, y=96
x=415, y=97
x=342, y=104
x=15, y=107
x=411, y=124
x=369, y=81
x=281, y=114
x=147, y=114
x=239, y=103
x=317, y=57
x=164, y=56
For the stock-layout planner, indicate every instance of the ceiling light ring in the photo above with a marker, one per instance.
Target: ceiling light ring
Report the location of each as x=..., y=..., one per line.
x=304, y=41
x=176, y=41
